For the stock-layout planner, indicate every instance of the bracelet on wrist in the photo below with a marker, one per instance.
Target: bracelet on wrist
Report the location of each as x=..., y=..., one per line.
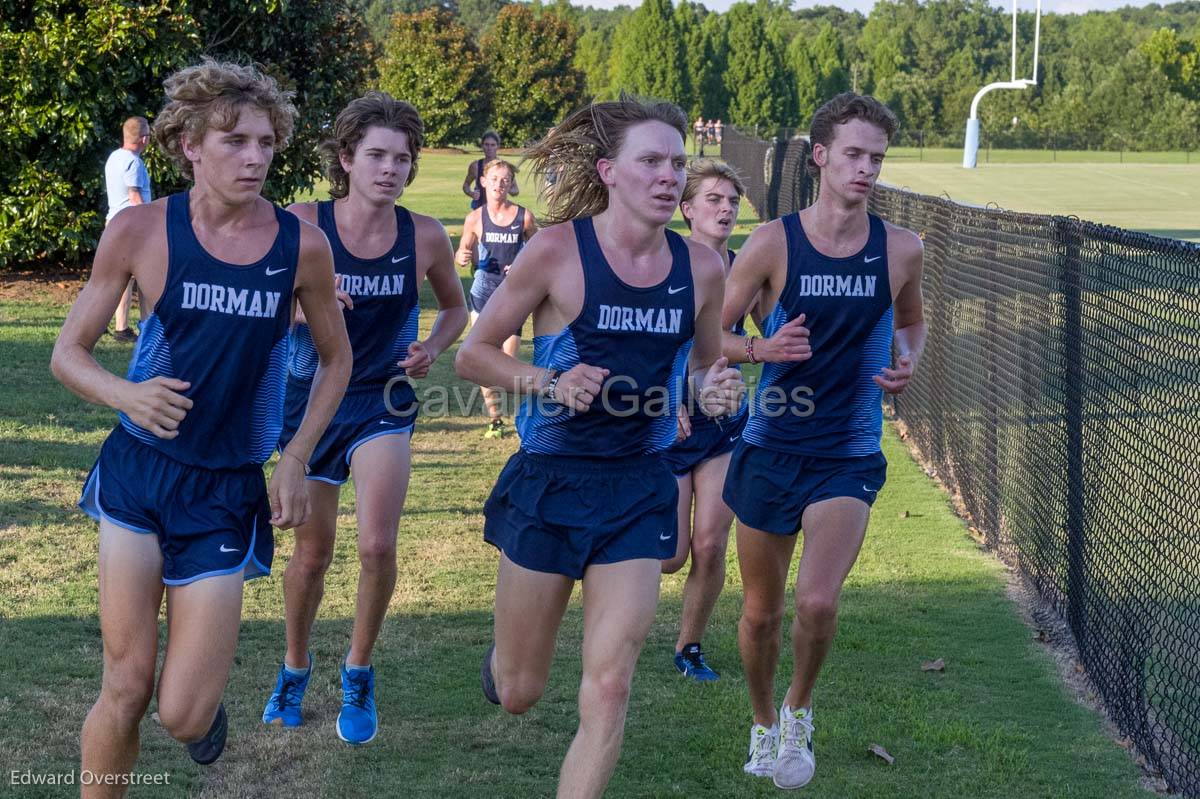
x=750, y=349
x=548, y=390
x=297, y=459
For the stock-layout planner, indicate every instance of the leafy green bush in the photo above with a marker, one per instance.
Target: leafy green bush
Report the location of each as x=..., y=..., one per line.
x=70, y=73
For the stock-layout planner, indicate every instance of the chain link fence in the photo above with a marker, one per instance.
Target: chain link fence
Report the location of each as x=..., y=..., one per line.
x=1059, y=399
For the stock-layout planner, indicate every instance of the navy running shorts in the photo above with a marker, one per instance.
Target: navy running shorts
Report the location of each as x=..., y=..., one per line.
x=209, y=522
x=363, y=415
x=709, y=439
x=482, y=289
x=560, y=514
x=770, y=490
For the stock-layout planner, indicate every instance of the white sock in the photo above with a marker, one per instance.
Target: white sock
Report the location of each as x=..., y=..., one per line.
x=295, y=672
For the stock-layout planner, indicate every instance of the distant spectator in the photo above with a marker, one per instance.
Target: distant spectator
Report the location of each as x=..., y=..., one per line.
x=128, y=183
x=718, y=128
x=698, y=129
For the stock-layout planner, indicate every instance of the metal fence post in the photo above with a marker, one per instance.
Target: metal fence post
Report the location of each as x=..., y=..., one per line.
x=992, y=329
x=1071, y=276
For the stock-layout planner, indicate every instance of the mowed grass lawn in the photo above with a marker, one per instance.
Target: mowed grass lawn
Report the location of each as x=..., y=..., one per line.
x=1158, y=198
x=996, y=723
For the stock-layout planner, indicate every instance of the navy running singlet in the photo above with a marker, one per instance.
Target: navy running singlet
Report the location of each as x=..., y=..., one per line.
x=642, y=336
x=386, y=310
x=221, y=327
x=829, y=405
x=499, y=244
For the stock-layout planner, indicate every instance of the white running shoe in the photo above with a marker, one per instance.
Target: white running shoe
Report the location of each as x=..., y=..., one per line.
x=795, y=763
x=761, y=760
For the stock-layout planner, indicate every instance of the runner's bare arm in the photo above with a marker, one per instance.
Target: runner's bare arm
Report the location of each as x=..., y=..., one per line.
x=755, y=282
x=480, y=359
x=447, y=289
x=315, y=294
x=468, y=183
x=466, y=254
x=907, y=252
x=717, y=385
x=158, y=404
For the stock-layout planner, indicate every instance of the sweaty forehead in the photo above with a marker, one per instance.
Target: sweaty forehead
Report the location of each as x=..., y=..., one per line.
x=387, y=139
x=861, y=134
x=652, y=137
x=719, y=186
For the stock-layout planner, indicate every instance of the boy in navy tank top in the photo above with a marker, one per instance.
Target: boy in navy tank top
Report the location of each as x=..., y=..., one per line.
x=382, y=253
x=700, y=457
x=616, y=300
x=473, y=183
x=178, y=487
x=842, y=286
x=493, y=235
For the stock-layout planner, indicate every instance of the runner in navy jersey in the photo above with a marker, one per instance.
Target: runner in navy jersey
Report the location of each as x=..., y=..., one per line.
x=493, y=235
x=616, y=300
x=473, y=182
x=382, y=254
x=699, y=458
x=842, y=286
x=178, y=487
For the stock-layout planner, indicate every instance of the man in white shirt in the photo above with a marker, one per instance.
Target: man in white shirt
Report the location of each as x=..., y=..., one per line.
x=128, y=184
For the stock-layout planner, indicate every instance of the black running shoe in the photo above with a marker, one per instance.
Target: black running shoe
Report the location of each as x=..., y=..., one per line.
x=209, y=748
x=485, y=677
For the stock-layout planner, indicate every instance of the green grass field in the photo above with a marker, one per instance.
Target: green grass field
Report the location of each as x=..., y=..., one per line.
x=1159, y=198
x=997, y=723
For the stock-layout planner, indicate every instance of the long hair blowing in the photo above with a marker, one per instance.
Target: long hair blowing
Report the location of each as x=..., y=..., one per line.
x=569, y=152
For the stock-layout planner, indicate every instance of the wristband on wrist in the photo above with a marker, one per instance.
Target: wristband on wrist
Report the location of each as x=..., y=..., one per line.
x=750, y=349
x=548, y=388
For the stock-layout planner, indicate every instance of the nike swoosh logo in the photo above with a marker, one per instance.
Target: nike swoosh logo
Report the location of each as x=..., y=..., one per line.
x=664, y=537
x=871, y=490
x=385, y=421
x=869, y=260
x=513, y=227
x=401, y=258
x=227, y=549
x=271, y=271
x=734, y=438
x=676, y=291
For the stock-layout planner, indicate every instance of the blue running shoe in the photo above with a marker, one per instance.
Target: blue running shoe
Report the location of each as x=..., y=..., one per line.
x=690, y=663
x=283, y=708
x=209, y=748
x=358, y=722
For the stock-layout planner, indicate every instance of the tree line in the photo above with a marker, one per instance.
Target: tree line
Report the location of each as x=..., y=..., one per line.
x=70, y=72
x=1125, y=79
